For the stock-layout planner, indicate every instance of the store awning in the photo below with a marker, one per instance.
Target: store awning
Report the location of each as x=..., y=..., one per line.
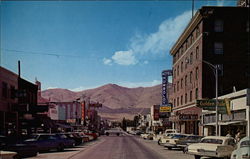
x=226, y=123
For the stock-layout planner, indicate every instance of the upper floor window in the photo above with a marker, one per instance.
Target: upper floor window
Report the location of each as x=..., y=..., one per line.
x=191, y=96
x=218, y=48
x=182, y=66
x=191, y=74
x=196, y=73
x=197, y=52
x=178, y=70
x=196, y=93
x=191, y=58
x=181, y=100
x=12, y=92
x=192, y=39
x=197, y=31
x=186, y=98
x=218, y=25
x=4, y=89
x=185, y=80
x=181, y=83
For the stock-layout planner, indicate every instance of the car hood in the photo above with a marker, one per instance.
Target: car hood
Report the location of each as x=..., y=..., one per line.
x=205, y=146
x=243, y=150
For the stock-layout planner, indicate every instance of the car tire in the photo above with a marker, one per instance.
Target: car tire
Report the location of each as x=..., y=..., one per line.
x=60, y=147
x=170, y=148
x=107, y=134
x=197, y=157
x=118, y=134
x=159, y=142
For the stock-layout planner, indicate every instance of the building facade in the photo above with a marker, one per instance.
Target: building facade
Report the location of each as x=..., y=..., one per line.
x=210, y=39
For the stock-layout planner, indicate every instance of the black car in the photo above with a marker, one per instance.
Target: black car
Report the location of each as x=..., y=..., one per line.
x=22, y=150
x=183, y=144
x=78, y=140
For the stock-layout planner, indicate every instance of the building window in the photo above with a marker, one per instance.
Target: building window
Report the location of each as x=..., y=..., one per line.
x=218, y=48
x=174, y=88
x=186, y=80
x=174, y=73
x=174, y=102
x=247, y=26
x=181, y=100
x=185, y=98
x=218, y=25
x=191, y=58
x=220, y=69
x=177, y=101
x=197, y=73
x=197, y=31
x=12, y=92
x=186, y=62
x=178, y=70
x=191, y=96
x=197, y=52
x=190, y=78
x=178, y=86
x=196, y=93
x=181, y=83
x=182, y=66
x=4, y=89
x=192, y=39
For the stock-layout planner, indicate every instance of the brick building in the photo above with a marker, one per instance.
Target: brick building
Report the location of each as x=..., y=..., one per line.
x=219, y=36
x=8, y=86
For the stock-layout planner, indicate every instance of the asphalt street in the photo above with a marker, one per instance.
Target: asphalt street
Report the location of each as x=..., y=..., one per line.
x=117, y=147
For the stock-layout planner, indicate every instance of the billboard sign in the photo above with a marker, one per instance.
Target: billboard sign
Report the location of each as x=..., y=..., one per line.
x=210, y=104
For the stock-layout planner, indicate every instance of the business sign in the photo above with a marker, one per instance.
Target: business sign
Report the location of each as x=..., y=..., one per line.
x=165, y=109
x=156, y=113
x=210, y=104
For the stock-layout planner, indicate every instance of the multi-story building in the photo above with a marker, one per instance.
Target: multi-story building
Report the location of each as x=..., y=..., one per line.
x=8, y=87
x=215, y=36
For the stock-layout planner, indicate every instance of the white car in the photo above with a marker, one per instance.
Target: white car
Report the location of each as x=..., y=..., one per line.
x=163, y=140
x=243, y=149
x=213, y=146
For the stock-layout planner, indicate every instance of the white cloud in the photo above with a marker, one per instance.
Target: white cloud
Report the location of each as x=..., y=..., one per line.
x=124, y=58
x=139, y=84
x=52, y=87
x=157, y=42
x=81, y=88
x=107, y=61
x=145, y=62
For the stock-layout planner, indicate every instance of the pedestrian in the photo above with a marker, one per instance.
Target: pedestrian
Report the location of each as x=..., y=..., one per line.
x=238, y=136
x=228, y=134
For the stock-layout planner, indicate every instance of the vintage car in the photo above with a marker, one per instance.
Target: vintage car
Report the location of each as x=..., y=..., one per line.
x=165, y=138
x=173, y=141
x=148, y=136
x=243, y=149
x=213, y=146
x=190, y=139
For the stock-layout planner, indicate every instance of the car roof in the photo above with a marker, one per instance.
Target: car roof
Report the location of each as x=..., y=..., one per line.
x=245, y=138
x=218, y=137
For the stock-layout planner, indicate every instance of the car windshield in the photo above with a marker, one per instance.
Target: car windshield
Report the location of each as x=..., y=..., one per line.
x=212, y=141
x=245, y=143
x=178, y=136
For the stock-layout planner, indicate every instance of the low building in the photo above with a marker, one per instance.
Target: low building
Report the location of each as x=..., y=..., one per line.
x=239, y=119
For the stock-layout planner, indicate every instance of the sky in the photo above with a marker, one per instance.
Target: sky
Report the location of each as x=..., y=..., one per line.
x=80, y=45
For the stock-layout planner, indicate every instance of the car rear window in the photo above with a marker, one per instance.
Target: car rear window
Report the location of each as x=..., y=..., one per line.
x=212, y=141
x=178, y=136
x=245, y=143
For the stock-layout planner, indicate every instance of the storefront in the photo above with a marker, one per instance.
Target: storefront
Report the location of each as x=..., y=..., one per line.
x=187, y=121
x=237, y=120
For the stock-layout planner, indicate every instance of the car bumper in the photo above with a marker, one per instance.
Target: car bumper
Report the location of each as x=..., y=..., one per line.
x=170, y=145
x=206, y=153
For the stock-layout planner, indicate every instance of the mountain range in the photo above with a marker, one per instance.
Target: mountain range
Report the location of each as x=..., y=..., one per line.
x=117, y=101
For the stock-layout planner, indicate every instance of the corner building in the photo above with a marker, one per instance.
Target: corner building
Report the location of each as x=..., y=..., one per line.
x=215, y=35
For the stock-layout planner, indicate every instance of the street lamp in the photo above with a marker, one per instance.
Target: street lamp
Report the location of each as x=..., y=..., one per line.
x=215, y=68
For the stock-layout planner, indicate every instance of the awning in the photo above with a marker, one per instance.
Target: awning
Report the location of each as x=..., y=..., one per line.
x=64, y=126
x=226, y=123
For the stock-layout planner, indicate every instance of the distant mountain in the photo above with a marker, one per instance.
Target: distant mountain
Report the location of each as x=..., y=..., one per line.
x=117, y=101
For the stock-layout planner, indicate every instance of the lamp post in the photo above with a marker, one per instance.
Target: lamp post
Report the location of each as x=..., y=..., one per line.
x=215, y=69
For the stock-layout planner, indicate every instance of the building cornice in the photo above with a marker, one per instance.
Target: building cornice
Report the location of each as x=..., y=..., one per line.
x=188, y=30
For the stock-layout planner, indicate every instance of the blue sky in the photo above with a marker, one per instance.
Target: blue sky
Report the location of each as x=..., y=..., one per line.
x=85, y=44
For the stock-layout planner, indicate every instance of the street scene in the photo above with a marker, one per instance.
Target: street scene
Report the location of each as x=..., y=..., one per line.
x=125, y=79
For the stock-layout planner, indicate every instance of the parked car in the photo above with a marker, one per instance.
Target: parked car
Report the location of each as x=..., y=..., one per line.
x=95, y=135
x=165, y=138
x=45, y=142
x=78, y=140
x=173, y=141
x=22, y=150
x=243, y=149
x=213, y=146
x=183, y=144
x=114, y=131
x=67, y=142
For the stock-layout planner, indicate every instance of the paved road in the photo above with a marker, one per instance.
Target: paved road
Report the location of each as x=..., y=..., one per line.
x=125, y=147
x=117, y=147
